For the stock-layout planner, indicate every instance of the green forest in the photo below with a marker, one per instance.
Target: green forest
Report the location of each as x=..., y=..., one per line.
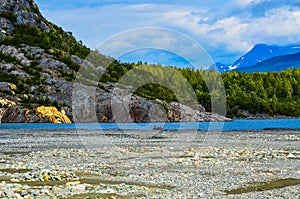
x=272, y=93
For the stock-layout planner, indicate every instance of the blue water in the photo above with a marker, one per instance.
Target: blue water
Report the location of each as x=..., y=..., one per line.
x=221, y=126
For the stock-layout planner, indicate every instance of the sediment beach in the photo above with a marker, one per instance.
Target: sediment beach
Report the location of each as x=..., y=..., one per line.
x=149, y=164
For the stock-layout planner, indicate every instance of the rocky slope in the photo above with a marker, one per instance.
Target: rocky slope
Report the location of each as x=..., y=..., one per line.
x=13, y=12
x=38, y=65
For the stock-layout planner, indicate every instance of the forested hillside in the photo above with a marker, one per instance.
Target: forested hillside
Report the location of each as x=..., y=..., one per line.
x=272, y=93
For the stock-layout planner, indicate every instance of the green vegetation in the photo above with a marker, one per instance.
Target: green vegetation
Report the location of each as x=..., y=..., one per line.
x=263, y=186
x=161, y=92
x=29, y=101
x=9, y=58
x=8, y=15
x=56, y=39
x=270, y=93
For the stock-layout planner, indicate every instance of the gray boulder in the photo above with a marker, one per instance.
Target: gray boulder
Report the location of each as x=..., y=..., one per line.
x=19, y=73
x=12, y=51
x=182, y=113
x=6, y=27
x=34, y=52
x=6, y=86
x=17, y=114
x=6, y=67
x=52, y=64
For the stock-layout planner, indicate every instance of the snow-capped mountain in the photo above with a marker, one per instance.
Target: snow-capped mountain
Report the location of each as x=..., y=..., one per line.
x=219, y=67
x=274, y=64
x=259, y=53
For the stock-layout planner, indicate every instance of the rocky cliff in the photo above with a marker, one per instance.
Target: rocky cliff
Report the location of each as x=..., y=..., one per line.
x=38, y=66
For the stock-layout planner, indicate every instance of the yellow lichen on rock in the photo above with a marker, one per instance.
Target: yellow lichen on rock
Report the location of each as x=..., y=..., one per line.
x=12, y=86
x=7, y=103
x=52, y=114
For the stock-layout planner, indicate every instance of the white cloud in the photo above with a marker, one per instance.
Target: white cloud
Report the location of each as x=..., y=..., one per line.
x=245, y=3
x=231, y=27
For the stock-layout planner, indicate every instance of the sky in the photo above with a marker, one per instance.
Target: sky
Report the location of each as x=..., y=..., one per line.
x=224, y=29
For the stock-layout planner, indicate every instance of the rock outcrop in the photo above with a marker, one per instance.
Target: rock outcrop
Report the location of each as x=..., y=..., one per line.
x=14, y=52
x=178, y=113
x=14, y=12
x=8, y=87
x=95, y=105
x=16, y=114
x=52, y=114
x=6, y=103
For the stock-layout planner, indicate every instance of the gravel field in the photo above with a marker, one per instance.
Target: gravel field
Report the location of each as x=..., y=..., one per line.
x=149, y=164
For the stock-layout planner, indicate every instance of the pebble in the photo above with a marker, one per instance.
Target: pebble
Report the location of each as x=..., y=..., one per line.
x=72, y=183
x=291, y=156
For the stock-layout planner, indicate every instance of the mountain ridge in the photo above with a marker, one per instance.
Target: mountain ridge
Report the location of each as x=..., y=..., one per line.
x=275, y=64
x=259, y=53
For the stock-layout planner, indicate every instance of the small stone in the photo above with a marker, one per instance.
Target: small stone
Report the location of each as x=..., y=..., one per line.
x=291, y=156
x=46, y=178
x=24, y=193
x=35, y=193
x=45, y=191
x=108, y=191
x=57, y=178
x=15, y=180
x=72, y=183
x=81, y=187
x=18, y=196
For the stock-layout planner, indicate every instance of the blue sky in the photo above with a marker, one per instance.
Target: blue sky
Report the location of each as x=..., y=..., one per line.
x=225, y=29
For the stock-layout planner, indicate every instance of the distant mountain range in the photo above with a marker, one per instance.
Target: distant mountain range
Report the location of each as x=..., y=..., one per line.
x=264, y=58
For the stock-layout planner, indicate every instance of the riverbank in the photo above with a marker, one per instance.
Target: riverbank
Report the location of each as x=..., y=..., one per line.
x=139, y=164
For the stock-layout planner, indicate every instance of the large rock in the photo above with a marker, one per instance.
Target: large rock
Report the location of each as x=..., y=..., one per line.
x=16, y=114
x=181, y=113
x=19, y=73
x=34, y=52
x=49, y=63
x=6, y=67
x=6, y=86
x=6, y=27
x=52, y=114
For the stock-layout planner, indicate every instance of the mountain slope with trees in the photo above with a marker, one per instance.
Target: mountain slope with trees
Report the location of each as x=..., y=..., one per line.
x=39, y=63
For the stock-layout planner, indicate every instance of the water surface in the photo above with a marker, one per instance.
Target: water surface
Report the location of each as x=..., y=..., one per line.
x=236, y=125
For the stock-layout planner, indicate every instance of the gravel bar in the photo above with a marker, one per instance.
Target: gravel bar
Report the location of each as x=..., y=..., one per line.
x=149, y=164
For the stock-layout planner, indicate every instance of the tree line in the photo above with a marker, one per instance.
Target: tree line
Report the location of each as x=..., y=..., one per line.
x=271, y=93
